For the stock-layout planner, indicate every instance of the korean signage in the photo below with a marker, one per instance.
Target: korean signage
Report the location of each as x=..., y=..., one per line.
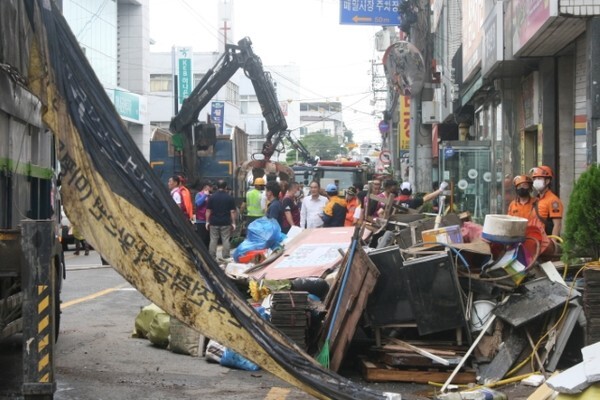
x=370, y=12
x=472, y=23
x=130, y=106
x=493, y=43
x=217, y=114
x=184, y=72
x=529, y=16
x=404, y=123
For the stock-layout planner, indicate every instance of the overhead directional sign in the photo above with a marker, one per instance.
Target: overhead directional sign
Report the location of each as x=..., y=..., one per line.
x=369, y=12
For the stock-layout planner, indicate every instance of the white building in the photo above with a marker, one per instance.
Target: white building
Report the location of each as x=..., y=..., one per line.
x=115, y=38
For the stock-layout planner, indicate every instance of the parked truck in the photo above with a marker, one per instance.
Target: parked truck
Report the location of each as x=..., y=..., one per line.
x=31, y=256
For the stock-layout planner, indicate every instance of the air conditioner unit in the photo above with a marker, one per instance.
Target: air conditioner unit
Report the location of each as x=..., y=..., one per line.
x=431, y=112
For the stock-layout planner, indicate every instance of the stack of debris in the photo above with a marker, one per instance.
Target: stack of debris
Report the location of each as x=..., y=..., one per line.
x=435, y=299
x=290, y=313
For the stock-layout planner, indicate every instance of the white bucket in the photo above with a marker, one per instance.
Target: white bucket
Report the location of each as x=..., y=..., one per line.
x=501, y=228
x=480, y=313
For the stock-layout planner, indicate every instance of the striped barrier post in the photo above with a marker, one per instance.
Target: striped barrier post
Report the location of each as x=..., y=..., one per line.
x=38, y=280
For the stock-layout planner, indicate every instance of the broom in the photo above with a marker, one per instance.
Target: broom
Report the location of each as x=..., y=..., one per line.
x=323, y=357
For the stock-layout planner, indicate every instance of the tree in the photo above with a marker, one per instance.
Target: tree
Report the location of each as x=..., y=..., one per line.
x=582, y=234
x=318, y=144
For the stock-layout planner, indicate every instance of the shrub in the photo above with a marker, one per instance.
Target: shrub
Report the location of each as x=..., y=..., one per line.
x=582, y=229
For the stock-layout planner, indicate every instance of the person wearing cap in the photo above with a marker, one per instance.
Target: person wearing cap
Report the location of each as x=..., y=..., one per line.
x=351, y=205
x=312, y=207
x=406, y=199
x=548, y=208
x=253, y=205
x=522, y=205
x=334, y=213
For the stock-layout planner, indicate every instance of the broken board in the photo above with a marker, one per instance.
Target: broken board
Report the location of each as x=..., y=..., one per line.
x=379, y=372
x=539, y=297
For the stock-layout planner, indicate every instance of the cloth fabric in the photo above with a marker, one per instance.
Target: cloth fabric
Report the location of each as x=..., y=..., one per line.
x=550, y=206
x=409, y=201
x=176, y=195
x=201, y=202
x=220, y=232
x=351, y=206
x=289, y=205
x=334, y=213
x=275, y=211
x=203, y=233
x=221, y=204
x=253, y=203
x=186, y=197
x=517, y=209
x=310, y=212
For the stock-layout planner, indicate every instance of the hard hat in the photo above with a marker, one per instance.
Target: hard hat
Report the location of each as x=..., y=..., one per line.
x=541, y=172
x=331, y=188
x=522, y=179
x=259, y=182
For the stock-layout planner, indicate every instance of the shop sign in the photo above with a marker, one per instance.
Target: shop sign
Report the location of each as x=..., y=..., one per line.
x=472, y=23
x=529, y=17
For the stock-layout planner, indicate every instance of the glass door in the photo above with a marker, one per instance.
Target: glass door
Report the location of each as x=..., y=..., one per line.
x=467, y=165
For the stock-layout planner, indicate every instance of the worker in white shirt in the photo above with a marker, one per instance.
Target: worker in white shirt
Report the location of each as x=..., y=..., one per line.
x=312, y=208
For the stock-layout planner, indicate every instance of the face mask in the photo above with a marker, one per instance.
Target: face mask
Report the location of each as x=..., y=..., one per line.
x=539, y=184
x=523, y=192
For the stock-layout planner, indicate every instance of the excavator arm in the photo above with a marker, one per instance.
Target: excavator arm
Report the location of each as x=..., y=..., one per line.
x=235, y=57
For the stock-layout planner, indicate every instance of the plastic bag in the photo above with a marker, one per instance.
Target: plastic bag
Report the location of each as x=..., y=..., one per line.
x=144, y=319
x=214, y=351
x=233, y=360
x=184, y=340
x=262, y=233
x=158, y=334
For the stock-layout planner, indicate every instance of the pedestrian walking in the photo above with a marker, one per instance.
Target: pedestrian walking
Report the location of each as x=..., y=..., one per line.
x=201, y=201
x=220, y=220
x=312, y=207
x=291, y=212
x=274, y=208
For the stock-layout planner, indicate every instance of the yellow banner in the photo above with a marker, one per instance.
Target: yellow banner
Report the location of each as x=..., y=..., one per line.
x=404, y=123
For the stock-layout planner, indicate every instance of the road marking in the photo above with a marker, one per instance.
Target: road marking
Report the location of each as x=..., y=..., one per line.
x=92, y=296
x=277, y=393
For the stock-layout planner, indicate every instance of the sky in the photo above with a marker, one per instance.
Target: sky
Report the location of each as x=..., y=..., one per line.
x=334, y=59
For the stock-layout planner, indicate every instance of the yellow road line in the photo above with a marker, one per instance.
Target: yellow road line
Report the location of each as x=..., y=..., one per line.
x=92, y=296
x=277, y=393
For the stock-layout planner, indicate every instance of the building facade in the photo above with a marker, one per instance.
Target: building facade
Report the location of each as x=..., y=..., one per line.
x=514, y=87
x=115, y=37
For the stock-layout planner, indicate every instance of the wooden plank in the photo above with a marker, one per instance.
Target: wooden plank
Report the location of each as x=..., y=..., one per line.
x=544, y=392
x=422, y=352
x=361, y=281
x=507, y=354
x=380, y=373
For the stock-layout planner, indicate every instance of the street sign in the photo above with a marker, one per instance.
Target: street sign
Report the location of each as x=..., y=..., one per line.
x=385, y=157
x=369, y=12
x=384, y=127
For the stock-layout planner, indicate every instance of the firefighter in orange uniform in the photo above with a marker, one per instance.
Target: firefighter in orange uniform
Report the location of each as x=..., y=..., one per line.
x=522, y=205
x=548, y=208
